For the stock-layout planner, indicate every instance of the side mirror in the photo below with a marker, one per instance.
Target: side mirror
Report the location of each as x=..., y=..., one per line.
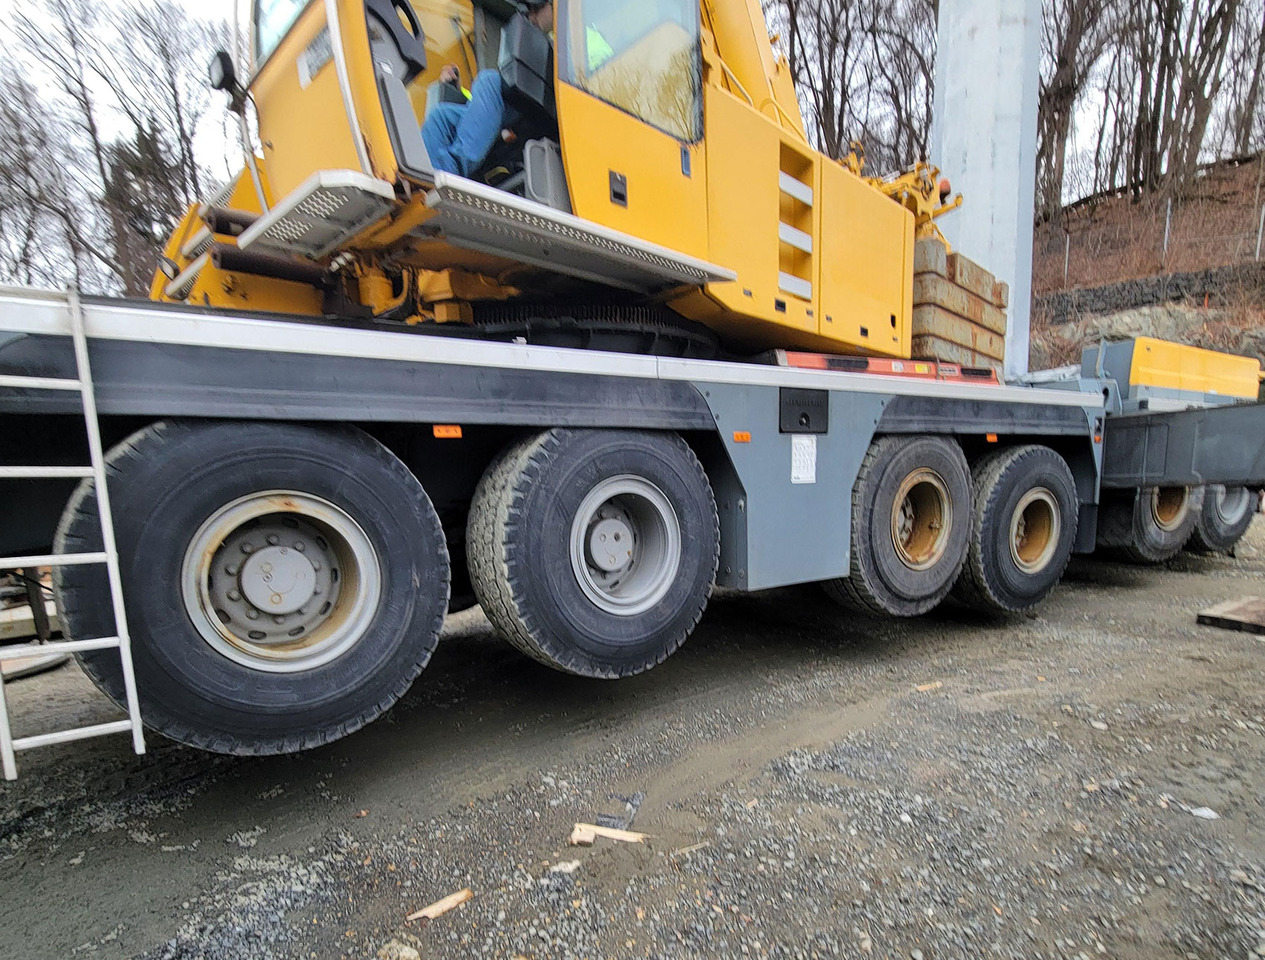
x=222, y=72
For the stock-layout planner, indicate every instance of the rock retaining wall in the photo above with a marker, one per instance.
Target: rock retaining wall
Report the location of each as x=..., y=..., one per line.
x=1221, y=287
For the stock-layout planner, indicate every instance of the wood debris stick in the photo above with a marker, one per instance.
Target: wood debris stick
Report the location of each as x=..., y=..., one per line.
x=585, y=834
x=753, y=803
x=440, y=907
x=1246, y=614
x=690, y=849
x=927, y=687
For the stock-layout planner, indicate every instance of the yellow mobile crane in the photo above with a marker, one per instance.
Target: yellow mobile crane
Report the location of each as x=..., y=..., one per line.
x=670, y=171
x=355, y=408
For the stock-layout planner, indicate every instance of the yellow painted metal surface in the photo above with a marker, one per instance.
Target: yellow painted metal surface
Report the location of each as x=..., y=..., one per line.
x=665, y=206
x=1174, y=366
x=302, y=125
x=865, y=264
x=744, y=211
x=751, y=68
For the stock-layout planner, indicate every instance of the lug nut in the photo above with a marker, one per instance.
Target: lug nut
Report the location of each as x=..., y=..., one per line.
x=278, y=620
x=300, y=546
x=234, y=595
x=232, y=569
x=247, y=548
x=274, y=540
x=252, y=614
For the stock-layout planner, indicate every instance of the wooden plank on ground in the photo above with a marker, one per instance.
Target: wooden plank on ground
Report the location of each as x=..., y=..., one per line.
x=17, y=623
x=1246, y=614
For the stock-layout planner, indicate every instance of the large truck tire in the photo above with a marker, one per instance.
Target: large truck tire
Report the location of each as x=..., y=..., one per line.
x=284, y=584
x=911, y=519
x=1150, y=525
x=1023, y=528
x=1226, y=514
x=595, y=551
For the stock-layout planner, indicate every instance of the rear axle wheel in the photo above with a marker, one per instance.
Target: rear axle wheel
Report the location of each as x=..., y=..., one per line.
x=910, y=517
x=1023, y=529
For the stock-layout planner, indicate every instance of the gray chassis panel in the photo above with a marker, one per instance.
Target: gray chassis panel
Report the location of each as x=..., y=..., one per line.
x=1205, y=445
x=164, y=380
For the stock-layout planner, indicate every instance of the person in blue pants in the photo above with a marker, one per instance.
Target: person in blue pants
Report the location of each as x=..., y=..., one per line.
x=459, y=136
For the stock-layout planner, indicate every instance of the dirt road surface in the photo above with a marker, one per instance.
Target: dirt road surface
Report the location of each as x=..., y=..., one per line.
x=814, y=785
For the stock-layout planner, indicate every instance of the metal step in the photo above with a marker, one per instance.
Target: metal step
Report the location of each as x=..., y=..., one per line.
x=22, y=650
x=328, y=209
x=45, y=473
x=478, y=217
x=52, y=560
x=40, y=383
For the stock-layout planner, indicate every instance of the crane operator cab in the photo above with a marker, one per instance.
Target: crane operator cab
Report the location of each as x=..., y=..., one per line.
x=641, y=153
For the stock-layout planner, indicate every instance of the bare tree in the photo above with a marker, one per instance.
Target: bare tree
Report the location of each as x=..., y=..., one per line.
x=1074, y=37
x=864, y=72
x=101, y=155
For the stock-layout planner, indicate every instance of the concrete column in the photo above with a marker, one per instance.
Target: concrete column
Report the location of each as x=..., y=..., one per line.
x=984, y=138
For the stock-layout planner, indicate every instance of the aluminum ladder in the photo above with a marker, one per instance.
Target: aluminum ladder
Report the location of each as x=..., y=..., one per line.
x=9, y=747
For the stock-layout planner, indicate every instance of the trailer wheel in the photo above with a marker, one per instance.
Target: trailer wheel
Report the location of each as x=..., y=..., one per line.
x=1023, y=528
x=911, y=514
x=284, y=584
x=1227, y=513
x=1149, y=525
x=594, y=551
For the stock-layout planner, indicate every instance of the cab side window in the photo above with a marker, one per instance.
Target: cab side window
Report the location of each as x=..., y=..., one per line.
x=642, y=56
x=273, y=20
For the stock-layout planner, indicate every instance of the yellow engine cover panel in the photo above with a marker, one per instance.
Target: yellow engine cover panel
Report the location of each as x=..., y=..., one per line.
x=744, y=215
x=865, y=265
x=1175, y=366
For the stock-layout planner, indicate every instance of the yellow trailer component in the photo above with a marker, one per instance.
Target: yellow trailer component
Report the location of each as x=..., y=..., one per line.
x=1174, y=366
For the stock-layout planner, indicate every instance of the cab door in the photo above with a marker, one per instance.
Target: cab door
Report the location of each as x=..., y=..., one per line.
x=316, y=84
x=630, y=112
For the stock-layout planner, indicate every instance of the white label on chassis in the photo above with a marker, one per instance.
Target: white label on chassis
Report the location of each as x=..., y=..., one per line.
x=803, y=458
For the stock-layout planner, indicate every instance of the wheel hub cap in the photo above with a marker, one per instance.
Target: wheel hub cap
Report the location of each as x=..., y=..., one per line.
x=1034, y=530
x=922, y=518
x=1169, y=507
x=279, y=580
x=625, y=545
x=610, y=545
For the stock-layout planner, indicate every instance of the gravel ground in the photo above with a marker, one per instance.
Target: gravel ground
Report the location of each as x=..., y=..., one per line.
x=1082, y=783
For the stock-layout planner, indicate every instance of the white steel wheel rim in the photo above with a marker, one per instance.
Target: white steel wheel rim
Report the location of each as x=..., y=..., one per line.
x=1169, y=507
x=1231, y=503
x=281, y=582
x=922, y=519
x=625, y=545
x=1034, y=530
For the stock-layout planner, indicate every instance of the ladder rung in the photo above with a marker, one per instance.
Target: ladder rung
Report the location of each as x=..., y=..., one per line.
x=68, y=736
x=44, y=473
x=40, y=383
x=52, y=560
x=24, y=650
